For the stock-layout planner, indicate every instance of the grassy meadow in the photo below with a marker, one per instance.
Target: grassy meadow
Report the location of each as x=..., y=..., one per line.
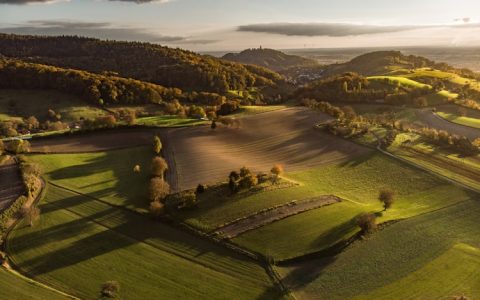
x=415, y=258
x=80, y=243
x=105, y=175
x=16, y=287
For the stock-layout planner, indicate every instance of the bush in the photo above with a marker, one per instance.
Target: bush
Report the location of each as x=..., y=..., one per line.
x=248, y=181
x=185, y=199
x=157, y=145
x=110, y=289
x=156, y=208
x=201, y=188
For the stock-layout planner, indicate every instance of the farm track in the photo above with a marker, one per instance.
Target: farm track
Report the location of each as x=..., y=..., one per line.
x=11, y=185
x=434, y=121
x=272, y=215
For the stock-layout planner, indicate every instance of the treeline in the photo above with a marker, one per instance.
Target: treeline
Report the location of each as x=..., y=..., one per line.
x=354, y=88
x=349, y=124
x=96, y=89
x=142, y=61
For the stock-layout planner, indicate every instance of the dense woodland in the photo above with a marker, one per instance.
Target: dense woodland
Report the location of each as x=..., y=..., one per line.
x=143, y=61
x=270, y=58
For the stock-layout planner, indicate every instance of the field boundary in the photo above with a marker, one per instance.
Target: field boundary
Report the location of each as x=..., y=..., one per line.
x=259, y=221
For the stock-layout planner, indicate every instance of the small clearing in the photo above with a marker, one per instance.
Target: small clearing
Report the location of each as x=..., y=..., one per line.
x=271, y=215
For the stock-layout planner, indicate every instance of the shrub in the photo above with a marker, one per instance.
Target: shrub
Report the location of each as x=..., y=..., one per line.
x=156, y=208
x=248, y=181
x=244, y=171
x=18, y=146
x=110, y=289
x=201, y=188
x=137, y=169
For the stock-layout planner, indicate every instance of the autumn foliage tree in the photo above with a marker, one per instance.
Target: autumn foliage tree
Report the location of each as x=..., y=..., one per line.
x=157, y=145
x=159, y=166
x=158, y=189
x=276, y=171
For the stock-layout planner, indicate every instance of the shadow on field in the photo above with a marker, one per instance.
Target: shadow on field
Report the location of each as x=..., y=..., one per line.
x=106, y=230
x=331, y=236
x=130, y=189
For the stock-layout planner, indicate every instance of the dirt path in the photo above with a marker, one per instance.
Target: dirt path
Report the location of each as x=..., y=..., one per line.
x=11, y=185
x=434, y=121
x=269, y=216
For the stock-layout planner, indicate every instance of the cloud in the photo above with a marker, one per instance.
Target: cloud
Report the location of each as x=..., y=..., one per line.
x=323, y=29
x=22, y=2
x=103, y=30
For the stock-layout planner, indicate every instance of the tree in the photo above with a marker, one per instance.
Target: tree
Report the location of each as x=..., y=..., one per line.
x=386, y=197
x=276, y=171
x=157, y=144
x=158, y=189
x=110, y=289
x=366, y=222
x=32, y=123
x=248, y=181
x=244, y=171
x=130, y=117
x=214, y=125
x=31, y=214
x=156, y=208
x=18, y=146
x=2, y=147
x=159, y=166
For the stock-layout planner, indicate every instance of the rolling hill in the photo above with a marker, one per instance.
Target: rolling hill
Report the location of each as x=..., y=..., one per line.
x=269, y=58
x=142, y=61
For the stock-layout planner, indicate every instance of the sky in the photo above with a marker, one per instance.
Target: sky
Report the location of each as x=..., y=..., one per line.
x=232, y=25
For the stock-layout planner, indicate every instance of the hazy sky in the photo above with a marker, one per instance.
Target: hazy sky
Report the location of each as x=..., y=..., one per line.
x=235, y=24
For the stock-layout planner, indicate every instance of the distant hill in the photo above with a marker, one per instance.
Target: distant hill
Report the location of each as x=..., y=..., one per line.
x=269, y=58
x=142, y=61
x=382, y=62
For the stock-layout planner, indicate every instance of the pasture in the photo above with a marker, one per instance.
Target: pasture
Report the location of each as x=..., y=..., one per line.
x=415, y=258
x=80, y=242
x=17, y=287
x=357, y=182
x=104, y=175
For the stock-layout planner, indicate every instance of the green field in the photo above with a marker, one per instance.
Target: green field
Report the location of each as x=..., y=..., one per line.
x=463, y=169
x=402, y=81
x=467, y=121
x=80, y=242
x=358, y=181
x=417, y=258
x=38, y=102
x=168, y=121
x=106, y=175
x=16, y=287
